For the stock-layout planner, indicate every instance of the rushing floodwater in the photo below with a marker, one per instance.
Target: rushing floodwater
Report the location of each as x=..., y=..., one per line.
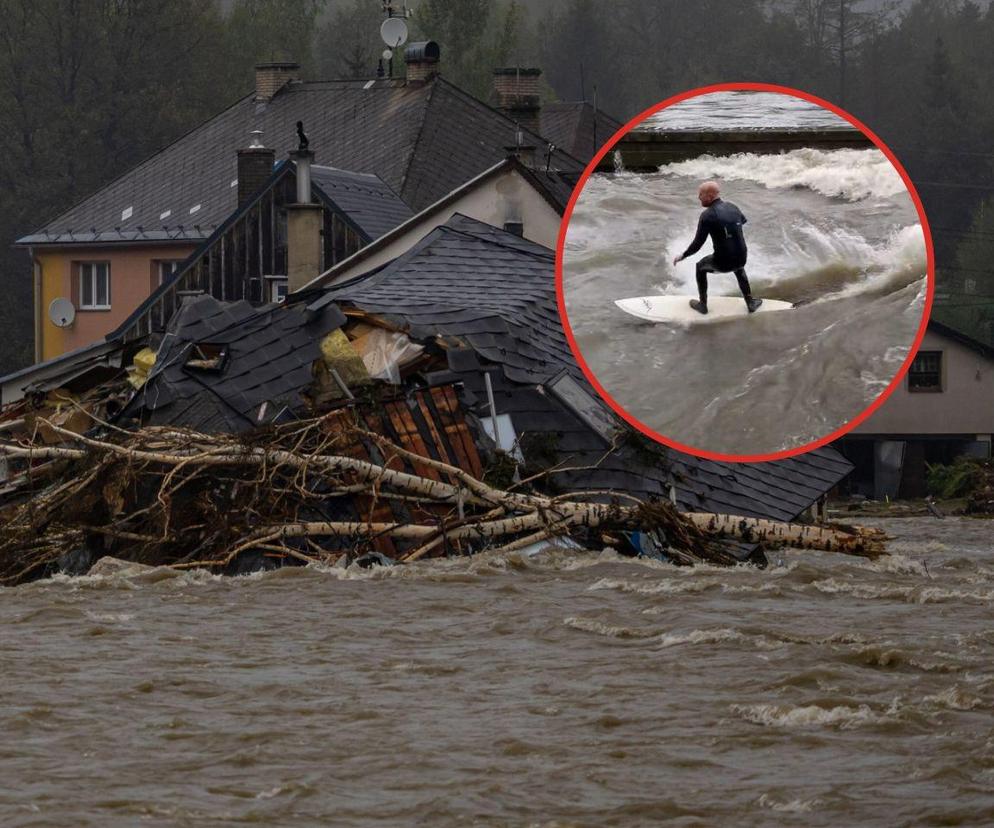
x=835, y=229
x=560, y=690
x=743, y=110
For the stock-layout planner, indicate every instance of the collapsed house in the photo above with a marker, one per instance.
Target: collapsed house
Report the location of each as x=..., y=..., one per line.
x=453, y=354
x=330, y=374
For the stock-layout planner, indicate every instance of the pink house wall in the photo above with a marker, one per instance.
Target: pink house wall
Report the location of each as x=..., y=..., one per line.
x=133, y=274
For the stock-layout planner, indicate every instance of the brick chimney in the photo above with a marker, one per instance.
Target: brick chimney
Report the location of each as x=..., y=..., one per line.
x=422, y=61
x=518, y=95
x=255, y=165
x=270, y=78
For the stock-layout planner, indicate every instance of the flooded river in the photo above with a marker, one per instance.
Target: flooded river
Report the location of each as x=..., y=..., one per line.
x=557, y=690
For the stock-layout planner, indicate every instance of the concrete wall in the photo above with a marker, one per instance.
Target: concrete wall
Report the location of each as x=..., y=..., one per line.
x=506, y=197
x=964, y=406
x=644, y=150
x=132, y=270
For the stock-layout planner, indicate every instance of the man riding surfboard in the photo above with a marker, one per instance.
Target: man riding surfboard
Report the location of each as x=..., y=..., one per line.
x=722, y=221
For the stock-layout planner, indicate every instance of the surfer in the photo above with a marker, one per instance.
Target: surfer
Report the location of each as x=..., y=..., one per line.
x=722, y=221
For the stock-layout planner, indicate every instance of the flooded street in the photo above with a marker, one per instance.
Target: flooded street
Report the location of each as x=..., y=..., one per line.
x=559, y=690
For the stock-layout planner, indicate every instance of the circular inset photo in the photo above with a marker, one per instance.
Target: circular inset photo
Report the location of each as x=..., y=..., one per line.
x=744, y=272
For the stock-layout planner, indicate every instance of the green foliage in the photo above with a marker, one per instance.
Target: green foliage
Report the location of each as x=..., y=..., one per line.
x=88, y=89
x=349, y=42
x=956, y=480
x=475, y=37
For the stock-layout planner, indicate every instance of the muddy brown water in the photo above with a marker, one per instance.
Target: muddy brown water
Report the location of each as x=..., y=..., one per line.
x=560, y=690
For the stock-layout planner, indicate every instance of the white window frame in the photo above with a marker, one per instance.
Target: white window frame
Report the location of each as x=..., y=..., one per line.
x=166, y=268
x=275, y=285
x=89, y=272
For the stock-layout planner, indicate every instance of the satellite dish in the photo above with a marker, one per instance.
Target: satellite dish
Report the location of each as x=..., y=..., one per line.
x=62, y=312
x=394, y=32
x=387, y=54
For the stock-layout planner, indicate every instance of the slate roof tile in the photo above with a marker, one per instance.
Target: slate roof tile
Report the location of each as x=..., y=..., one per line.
x=421, y=141
x=449, y=282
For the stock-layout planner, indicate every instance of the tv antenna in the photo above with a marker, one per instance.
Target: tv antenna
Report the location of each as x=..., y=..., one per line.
x=393, y=30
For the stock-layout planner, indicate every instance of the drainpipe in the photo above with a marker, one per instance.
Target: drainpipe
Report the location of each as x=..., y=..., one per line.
x=38, y=321
x=304, y=220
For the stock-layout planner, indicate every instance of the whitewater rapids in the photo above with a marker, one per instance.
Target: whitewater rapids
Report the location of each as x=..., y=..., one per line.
x=834, y=230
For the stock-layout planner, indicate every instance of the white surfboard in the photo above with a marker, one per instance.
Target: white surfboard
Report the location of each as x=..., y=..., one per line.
x=677, y=308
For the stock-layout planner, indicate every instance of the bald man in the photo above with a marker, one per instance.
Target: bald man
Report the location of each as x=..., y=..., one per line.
x=722, y=221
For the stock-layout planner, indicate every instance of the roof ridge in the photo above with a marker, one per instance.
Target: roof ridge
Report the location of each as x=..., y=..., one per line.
x=518, y=249
x=510, y=120
x=421, y=130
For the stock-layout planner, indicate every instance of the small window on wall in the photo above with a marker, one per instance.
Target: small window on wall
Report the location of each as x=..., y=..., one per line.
x=278, y=289
x=93, y=289
x=926, y=372
x=164, y=269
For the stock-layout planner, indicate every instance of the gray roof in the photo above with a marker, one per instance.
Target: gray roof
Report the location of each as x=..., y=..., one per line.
x=421, y=140
x=271, y=353
x=495, y=292
x=363, y=197
x=577, y=127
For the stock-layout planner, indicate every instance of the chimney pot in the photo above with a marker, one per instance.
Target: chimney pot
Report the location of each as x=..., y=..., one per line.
x=270, y=78
x=422, y=61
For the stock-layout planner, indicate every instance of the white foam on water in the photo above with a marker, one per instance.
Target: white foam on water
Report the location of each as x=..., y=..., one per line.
x=850, y=174
x=793, y=806
x=952, y=698
x=653, y=587
x=787, y=716
x=607, y=630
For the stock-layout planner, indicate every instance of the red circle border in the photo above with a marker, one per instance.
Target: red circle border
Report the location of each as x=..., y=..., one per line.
x=929, y=275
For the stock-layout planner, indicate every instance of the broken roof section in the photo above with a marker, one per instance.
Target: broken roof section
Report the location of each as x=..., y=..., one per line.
x=493, y=293
x=421, y=140
x=264, y=358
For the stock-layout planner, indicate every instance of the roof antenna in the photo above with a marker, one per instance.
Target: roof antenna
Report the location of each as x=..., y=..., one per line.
x=548, y=156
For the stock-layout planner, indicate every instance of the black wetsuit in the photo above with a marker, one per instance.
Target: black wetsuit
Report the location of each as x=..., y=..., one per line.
x=722, y=221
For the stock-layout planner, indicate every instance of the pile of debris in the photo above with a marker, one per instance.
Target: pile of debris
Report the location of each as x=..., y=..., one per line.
x=431, y=407
x=316, y=491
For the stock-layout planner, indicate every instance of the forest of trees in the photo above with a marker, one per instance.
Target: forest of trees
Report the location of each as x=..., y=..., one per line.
x=90, y=87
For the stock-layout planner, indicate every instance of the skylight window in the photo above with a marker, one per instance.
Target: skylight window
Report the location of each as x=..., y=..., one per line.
x=126, y=213
x=195, y=208
x=165, y=215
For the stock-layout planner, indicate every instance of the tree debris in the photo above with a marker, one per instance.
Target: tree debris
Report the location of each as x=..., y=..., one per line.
x=307, y=492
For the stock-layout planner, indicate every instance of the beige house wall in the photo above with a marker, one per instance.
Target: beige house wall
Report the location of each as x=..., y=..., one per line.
x=964, y=406
x=504, y=198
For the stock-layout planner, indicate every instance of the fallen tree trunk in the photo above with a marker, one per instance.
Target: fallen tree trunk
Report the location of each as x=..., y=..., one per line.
x=848, y=540
x=184, y=499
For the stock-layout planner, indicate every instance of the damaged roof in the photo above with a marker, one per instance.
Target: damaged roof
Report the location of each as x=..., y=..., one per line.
x=421, y=140
x=494, y=293
x=268, y=357
x=468, y=280
x=488, y=297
